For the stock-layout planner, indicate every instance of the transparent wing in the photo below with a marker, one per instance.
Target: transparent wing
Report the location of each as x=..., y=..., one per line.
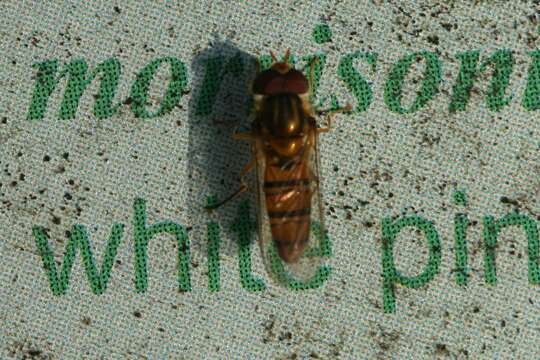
x=292, y=192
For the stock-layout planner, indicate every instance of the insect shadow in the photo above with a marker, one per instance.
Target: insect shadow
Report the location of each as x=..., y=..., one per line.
x=220, y=104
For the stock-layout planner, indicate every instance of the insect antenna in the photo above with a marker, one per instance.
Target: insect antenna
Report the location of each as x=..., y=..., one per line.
x=286, y=57
x=241, y=190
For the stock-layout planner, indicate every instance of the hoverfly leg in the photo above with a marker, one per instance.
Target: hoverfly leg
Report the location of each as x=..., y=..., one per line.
x=242, y=136
x=330, y=115
x=312, y=73
x=286, y=57
x=257, y=66
x=257, y=71
x=244, y=172
x=243, y=188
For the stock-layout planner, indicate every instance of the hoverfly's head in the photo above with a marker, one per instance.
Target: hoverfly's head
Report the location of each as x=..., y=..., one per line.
x=281, y=67
x=281, y=78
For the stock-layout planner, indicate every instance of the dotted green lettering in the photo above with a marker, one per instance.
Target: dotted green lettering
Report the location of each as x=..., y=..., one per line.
x=430, y=83
x=490, y=233
x=503, y=63
x=531, y=96
x=460, y=232
x=214, y=74
x=46, y=82
x=244, y=227
x=391, y=275
x=354, y=81
x=322, y=34
x=78, y=238
x=139, y=90
x=144, y=233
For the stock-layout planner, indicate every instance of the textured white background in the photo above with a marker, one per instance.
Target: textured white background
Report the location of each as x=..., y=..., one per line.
x=176, y=160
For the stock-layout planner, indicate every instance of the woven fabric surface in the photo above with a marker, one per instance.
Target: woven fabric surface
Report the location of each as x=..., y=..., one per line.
x=115, y=131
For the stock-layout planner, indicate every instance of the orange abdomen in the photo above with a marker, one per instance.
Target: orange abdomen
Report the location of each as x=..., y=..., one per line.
x=288, y=202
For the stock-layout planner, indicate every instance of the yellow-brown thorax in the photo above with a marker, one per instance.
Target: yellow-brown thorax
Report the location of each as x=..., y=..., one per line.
x=283, y=126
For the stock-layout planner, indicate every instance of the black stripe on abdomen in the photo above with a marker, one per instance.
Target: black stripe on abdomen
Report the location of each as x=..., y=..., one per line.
x=291, y=213
x=285, y=183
